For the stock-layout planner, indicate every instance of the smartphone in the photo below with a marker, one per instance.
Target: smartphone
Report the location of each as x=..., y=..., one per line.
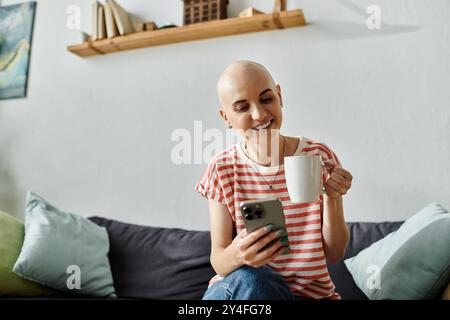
x=259, y=213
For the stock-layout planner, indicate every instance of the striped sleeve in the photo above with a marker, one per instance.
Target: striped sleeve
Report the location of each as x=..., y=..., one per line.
x=210, y=185
x=327, y=154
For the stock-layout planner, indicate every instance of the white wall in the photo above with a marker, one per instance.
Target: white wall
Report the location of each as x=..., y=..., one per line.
x=93, y=135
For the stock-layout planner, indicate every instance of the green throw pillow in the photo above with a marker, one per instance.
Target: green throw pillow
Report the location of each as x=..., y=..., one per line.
x=11, y=240
x=412, y=263
x=64, y=251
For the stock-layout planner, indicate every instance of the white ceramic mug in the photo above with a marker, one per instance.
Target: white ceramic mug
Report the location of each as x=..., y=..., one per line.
x=304, y=178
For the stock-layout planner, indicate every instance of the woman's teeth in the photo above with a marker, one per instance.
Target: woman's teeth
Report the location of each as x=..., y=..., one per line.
x=263, y=126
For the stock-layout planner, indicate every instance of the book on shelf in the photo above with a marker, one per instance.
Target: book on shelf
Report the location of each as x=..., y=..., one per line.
x=111, y=27
x=101, y=28
x=95, y=6
x=98, y=21
x=121, y=18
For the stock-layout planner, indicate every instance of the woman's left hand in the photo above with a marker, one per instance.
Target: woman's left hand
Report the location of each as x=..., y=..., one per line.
x=338, y=182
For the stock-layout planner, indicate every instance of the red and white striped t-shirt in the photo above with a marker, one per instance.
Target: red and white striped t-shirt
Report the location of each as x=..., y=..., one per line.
x=231, y=177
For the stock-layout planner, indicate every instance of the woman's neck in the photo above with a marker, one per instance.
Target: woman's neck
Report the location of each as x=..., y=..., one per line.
x=266, y=152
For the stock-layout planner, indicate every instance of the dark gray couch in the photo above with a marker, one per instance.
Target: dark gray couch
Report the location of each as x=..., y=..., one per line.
x=163, y=263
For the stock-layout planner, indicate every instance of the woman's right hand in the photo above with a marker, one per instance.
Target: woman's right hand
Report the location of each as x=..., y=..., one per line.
x=247, y=246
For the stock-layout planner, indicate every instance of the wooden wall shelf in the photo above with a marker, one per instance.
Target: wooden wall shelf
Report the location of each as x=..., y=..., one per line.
x=205, y=30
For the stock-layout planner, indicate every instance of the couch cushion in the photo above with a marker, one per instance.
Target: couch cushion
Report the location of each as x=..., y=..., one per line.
x=362, y=235
x=158, y=263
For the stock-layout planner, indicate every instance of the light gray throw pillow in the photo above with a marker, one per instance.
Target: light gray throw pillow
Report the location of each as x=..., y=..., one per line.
x=64, y=251
x=412, y=263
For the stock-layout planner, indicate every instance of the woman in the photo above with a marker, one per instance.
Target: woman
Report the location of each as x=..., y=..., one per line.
x=251, y=103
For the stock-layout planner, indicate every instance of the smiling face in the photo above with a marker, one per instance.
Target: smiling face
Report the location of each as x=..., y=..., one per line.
x=250, y=100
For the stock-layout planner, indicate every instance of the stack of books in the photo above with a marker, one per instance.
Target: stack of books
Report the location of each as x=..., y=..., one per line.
x=110, y=20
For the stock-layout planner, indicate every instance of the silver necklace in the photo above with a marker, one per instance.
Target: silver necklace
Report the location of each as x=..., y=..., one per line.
x=276, y=174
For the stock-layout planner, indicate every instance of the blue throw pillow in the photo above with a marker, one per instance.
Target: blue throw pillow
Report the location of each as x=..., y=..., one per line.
x=64, y=251
x=411, y=263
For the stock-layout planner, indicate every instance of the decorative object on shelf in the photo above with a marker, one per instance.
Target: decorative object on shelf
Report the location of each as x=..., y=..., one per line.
x=16, y=30
x=85, y=37
x=279, y=6
x=145, y=26
x=168, y=25
x=204, y=10
x=249, y=12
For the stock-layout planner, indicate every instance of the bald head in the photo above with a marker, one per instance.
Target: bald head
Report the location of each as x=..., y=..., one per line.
x=238, y=77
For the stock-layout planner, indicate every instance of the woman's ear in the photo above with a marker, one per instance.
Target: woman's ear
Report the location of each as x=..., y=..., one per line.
x=224, y=117
x=279, y=94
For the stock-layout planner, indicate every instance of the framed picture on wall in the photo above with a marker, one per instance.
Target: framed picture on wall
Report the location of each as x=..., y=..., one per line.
x=16, y=30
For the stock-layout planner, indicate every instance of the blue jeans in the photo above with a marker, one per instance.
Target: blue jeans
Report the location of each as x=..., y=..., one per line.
x=248, y=283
